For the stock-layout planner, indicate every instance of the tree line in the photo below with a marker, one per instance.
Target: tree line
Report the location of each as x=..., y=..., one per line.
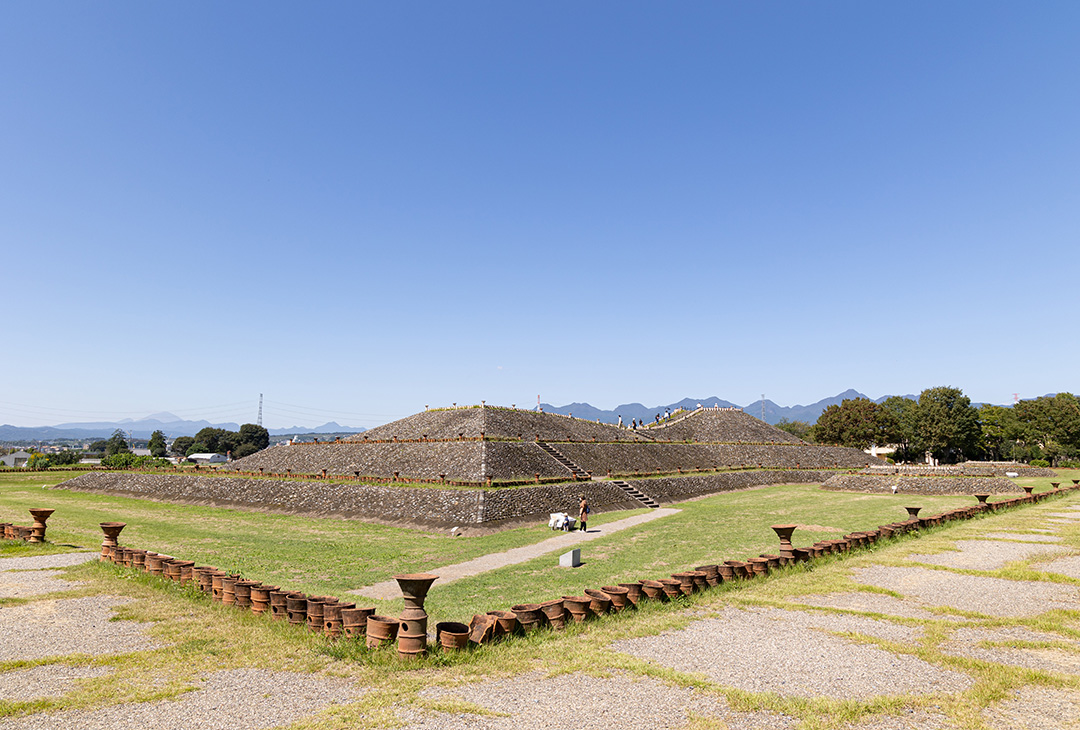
x=943, y=424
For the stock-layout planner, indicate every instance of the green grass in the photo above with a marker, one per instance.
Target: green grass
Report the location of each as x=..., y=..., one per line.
x=332, y=556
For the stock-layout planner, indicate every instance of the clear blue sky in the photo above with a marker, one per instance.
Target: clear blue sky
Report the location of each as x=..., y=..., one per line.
x=362, y=208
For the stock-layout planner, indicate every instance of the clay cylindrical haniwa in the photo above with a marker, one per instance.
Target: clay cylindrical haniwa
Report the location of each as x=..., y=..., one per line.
x=555, y=613
x=279, y=605
x=634, y=592
x=354, y=621
x=333, y=625
x=506, y=622
x=654, y=590
x=712, y=574
x=529, y=616
x=672, y=587
x=381, y=630
x=686, y=582
x=228, y=590
x=619, y=597
x=600, y=602
x=296, y=608
x=452, y=636
x=578, y=607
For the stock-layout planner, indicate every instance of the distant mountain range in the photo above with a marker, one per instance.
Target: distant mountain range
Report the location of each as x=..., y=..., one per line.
x=773, y=413
x=173, y=426
x=167, y=423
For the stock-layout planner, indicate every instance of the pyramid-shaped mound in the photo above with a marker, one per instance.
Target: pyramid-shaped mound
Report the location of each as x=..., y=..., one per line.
x=494, y=445
x=719, y=426
x=496, y=423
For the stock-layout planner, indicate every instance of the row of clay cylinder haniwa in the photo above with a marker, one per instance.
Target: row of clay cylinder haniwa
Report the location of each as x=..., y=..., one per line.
x=408, y=632
x=321, y=614
x=29, y=533
x=558, y=612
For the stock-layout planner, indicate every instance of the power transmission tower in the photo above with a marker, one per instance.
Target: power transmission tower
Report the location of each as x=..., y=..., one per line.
x=259, y=421
x=762, y=406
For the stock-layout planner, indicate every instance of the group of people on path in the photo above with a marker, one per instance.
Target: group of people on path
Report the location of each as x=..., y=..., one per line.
x=635, y=423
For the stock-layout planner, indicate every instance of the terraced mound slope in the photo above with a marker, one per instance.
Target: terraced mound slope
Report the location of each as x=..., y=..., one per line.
x=495, y=423
x=720, y=426
x=498, y=445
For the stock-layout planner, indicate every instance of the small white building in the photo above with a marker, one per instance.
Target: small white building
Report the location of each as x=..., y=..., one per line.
x=208, y=458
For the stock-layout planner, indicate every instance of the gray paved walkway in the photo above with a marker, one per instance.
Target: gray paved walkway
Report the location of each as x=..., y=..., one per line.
x=564, y=541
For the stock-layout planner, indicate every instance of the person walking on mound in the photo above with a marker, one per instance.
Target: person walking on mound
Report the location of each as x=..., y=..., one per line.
x=583, y=514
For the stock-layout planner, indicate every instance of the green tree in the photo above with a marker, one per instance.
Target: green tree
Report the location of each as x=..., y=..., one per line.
x=38, y=462
x=181, y=444
x=157, y=444
x=65, y=458
x=946, y=424
x=856, y=422
x=1052, y=423
x=798, y=429
x=116, y=444
x=254, y=435
x=1000, y=432
x=98, y=447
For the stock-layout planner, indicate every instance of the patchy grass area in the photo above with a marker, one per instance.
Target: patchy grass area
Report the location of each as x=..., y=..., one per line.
x=333, y=556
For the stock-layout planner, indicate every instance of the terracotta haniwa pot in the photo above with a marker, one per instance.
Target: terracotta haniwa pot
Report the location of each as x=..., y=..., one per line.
x=634, y=592
x=619, y=597
x=453, y=636
x=555, y=613
x=354, y=621
x=296, y=608
x=529, y=615
x=712, y=574
x=381, y=630
x=507, y=623
x=654, y=590
x=599, y=603
x=578, y=606
x=672, y=588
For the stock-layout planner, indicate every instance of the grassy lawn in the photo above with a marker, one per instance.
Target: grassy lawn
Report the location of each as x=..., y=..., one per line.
x=333, y=556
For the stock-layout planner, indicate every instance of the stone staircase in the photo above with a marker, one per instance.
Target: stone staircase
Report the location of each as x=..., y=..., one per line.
x=634, y=493
x=576, y=470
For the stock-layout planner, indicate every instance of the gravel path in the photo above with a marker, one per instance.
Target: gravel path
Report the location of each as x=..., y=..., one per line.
x=49, y=680
x=1036, y=708
x=1022, y=537
x=38, y=562
x=966, y=642
x=985, y=554
x=25, y=583
x=989, y=596
x=563, y=542
x=871, y=603
x=576, y=701
x=1069, y=566
x=68, y=626
x=237, y=699
x=769, y=650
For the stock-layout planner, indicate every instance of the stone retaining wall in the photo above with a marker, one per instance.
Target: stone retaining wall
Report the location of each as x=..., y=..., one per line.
x=669, y=489
x=883, y=484
x=625, y=459
x=434, y=506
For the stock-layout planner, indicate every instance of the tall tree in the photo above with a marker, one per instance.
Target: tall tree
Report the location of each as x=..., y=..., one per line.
x=946, y=425
x=857, y=422
x=798, y=429
x=1052, y=423
x=157, y=444
x=181, y=444
x=116, y=444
